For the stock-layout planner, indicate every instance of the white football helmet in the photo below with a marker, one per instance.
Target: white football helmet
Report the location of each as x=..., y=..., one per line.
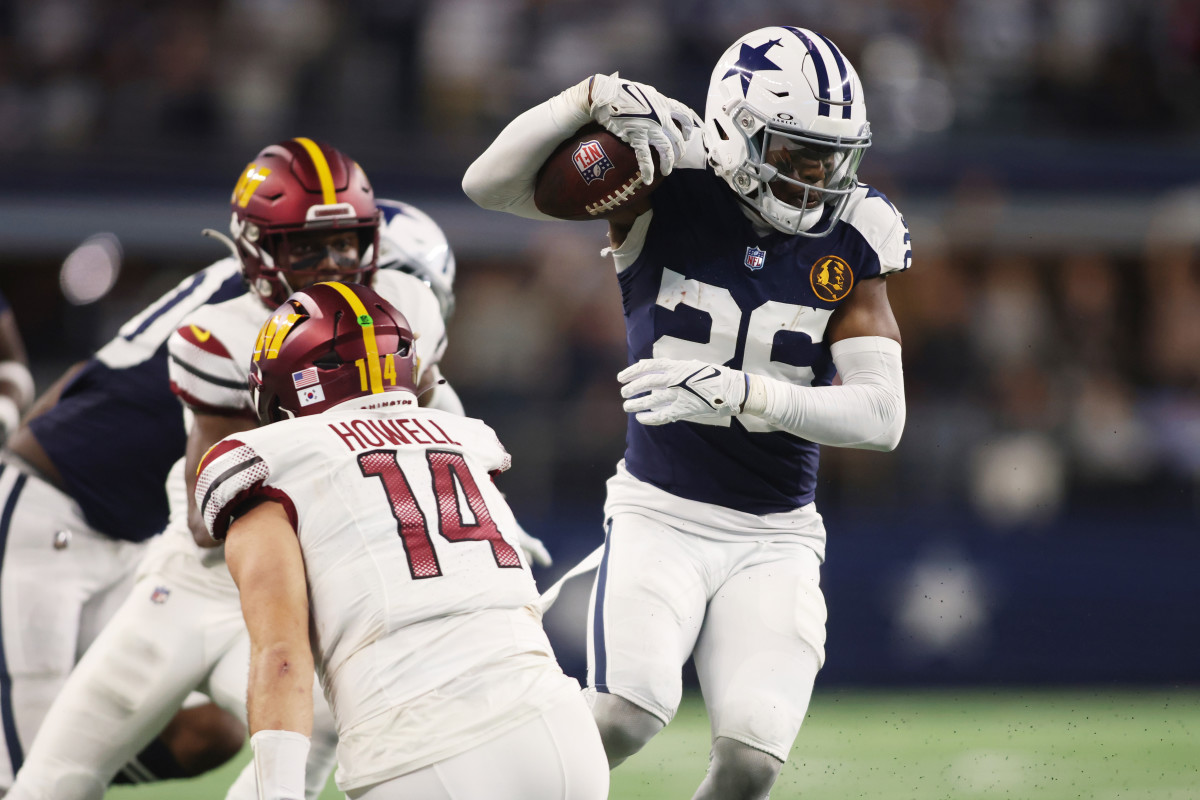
x=410, y=241
x=785, y=125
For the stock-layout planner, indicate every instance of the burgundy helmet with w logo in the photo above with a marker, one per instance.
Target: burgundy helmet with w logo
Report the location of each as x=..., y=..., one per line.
x=299, y=186
x=327, y=344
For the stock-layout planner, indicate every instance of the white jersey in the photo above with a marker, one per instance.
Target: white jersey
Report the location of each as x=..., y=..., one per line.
x=209, y=360
x=419, y=595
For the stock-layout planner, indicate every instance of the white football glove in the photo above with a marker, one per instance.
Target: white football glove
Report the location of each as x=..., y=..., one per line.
x=681, y=390
x=535, y=552
x=643, y=118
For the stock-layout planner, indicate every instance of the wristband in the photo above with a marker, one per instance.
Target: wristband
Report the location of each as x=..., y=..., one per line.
x=279, y=759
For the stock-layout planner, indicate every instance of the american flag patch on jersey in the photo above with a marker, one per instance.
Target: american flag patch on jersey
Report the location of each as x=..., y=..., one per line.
x=305, y=377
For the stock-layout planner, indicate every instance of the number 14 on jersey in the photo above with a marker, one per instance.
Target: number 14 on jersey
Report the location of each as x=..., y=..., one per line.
x=452, y=486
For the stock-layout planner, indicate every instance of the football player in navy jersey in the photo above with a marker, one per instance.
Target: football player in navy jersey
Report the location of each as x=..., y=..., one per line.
x=753, y=274
x=16, y=384
x=81, y=488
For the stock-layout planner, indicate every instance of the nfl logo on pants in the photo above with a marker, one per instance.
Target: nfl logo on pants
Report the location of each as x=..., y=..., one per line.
x=755, y=258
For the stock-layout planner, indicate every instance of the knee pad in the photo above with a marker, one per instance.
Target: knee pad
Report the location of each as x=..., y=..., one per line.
x=624, y=727
x=738, y=771
x=64, y=781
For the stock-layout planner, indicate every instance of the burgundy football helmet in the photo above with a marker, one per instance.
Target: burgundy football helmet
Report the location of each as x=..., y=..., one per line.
x=327, y=344
x=299, y=186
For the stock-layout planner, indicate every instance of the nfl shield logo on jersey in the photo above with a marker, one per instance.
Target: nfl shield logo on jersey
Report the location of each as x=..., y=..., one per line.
x=755, y=258
x=160, y=595
x=591, y=160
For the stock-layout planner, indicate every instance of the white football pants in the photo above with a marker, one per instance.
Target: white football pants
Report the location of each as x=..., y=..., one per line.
x=555, y=756
x=750, y=611
x=173, y=635
x=60, y=582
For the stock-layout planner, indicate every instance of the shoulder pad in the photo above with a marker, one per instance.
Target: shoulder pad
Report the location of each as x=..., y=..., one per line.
x=882, y=226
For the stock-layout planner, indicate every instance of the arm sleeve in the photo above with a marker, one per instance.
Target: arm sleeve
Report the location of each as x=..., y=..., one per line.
x=502, y=178
x=866, y=411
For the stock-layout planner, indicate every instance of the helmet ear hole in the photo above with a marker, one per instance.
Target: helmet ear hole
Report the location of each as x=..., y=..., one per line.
x=720, y=130
x=273, y=412
x=330, y=360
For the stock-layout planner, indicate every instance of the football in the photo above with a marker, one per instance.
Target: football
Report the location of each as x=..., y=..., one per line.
x=591, y=175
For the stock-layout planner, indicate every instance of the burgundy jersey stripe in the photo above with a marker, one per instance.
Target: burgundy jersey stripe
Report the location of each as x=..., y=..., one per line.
x=216, y=451
x=204, y=340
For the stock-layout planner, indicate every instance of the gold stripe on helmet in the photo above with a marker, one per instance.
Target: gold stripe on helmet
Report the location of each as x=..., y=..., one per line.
x=251, y=179
x=272, y=334
x=368, y=328
x=323, y=173
x=284, y=327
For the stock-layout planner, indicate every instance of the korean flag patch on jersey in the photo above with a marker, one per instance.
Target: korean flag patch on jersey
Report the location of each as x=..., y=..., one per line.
x=311, y=395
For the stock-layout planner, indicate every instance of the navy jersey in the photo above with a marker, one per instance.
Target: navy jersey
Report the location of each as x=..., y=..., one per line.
x=3, y=303
x=117, y=428
x=706, y=286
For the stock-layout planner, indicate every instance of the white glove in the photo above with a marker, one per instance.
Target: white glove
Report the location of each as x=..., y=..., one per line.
x=643, y=118
x=535, y=552
x=681, y=390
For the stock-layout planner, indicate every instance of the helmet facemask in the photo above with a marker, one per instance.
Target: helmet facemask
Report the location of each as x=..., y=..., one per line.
x=295, y=259
x=278, y=272
x=794, y=179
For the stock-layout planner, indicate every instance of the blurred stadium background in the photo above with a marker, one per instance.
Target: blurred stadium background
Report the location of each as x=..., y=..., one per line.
x=1038, y=524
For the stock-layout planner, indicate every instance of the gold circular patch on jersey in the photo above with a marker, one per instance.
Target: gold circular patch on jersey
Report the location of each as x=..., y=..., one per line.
x=831, y=278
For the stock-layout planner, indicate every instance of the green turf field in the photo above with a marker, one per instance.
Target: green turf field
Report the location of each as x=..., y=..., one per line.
x=1033, y=745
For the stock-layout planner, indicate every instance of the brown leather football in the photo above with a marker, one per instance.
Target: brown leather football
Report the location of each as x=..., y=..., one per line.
x=589, y=176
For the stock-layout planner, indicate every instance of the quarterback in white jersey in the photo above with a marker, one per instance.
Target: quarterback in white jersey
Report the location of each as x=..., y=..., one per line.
x=754, y=272
x=180, y=629
x=374, y=524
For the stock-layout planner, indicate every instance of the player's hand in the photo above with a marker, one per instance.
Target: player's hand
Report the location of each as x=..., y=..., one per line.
x=681, y=390
x=643, y=118
x=535, y=552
